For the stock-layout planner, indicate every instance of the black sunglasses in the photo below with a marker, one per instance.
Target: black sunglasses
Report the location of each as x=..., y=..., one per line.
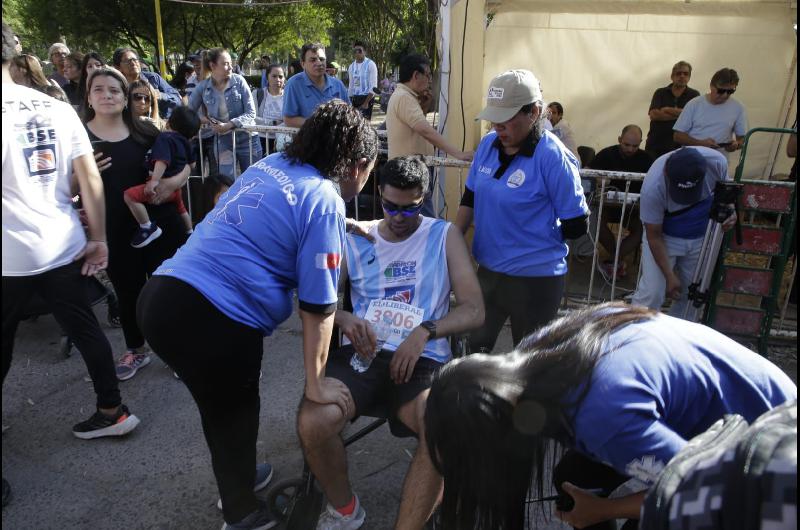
x=407, y=211
x=141, y=97
x=728, y=91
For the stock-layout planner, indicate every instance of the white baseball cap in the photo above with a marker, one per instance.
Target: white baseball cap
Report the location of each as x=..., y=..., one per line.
x=508, y=93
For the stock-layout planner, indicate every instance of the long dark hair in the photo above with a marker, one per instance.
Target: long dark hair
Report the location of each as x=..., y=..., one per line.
x=142, y=132
x=334, y=138
x=492, y=420
x=85, y=76
x=179, y=79
x=153, y=114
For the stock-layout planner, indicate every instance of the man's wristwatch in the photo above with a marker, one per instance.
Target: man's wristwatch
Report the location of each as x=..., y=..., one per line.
x=430, y=327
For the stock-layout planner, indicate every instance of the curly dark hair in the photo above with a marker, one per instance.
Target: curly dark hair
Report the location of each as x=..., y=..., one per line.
x=334, y=138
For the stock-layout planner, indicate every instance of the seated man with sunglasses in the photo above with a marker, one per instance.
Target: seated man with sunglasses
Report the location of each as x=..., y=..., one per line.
x=402, y=282
x=714, y=120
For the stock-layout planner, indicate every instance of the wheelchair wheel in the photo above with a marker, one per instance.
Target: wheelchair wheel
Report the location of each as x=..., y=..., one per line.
x=292, y=506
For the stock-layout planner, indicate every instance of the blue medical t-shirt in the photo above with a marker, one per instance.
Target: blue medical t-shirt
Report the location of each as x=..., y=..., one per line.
x=301, y=97
x=517, y=217
x=660, y=384
x=279, y=227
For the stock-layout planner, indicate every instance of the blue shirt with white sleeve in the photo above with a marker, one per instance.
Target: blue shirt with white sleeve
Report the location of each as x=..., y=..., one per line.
x=280, y=227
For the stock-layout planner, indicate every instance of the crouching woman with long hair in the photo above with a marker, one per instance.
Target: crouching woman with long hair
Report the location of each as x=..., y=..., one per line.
x=621, y=388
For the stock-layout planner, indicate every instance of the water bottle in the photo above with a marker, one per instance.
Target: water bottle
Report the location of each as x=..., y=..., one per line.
x=383, y=329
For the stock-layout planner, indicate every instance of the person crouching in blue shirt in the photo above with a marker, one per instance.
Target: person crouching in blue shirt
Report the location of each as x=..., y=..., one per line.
x=622, y=388
x=279, y=228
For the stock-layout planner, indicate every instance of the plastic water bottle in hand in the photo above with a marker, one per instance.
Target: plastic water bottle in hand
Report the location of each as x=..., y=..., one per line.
x=382, y=329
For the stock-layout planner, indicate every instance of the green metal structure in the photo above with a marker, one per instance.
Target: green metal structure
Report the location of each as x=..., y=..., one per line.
x=762, y=200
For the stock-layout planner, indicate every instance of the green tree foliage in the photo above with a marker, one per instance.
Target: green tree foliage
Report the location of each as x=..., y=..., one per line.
x=390, y=28
x=107, y=24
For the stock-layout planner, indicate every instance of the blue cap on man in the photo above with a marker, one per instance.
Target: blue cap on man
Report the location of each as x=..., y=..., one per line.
x=686, y=170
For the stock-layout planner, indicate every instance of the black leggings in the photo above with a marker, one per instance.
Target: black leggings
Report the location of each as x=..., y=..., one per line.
x=66, y=292
x=129, y=268
x=219, y=361
x=588, y=474
x=531, y=302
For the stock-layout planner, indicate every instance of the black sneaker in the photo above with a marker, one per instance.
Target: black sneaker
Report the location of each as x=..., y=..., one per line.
x=6, y=492
x=258, y=520
x=100, y=425
x=144, y=236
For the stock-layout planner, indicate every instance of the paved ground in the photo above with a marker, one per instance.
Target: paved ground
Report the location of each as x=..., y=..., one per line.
x=159, y=477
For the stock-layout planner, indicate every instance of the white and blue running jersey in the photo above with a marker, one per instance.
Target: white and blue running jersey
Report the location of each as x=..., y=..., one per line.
x=413, y=271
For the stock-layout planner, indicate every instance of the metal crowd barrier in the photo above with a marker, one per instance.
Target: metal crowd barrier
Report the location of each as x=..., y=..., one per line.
x=595, y=200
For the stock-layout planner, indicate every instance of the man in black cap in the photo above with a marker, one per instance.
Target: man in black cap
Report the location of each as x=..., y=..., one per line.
x=196, y=61
x=675, y=203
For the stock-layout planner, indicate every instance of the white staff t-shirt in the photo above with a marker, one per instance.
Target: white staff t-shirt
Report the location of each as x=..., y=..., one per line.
x=41, y=138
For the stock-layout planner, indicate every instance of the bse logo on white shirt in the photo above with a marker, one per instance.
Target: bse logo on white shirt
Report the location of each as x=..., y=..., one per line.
x=516, y=179
x=41, y=159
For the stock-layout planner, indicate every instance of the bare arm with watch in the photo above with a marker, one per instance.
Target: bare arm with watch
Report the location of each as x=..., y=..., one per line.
x=467, y=314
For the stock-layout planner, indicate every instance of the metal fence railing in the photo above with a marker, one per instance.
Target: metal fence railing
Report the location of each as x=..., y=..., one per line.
x=599, y=196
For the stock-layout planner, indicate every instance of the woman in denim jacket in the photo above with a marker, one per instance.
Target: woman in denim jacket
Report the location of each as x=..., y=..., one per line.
x=225, y=100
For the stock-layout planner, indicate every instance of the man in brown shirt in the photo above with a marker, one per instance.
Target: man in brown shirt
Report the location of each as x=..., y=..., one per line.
x=408, y=130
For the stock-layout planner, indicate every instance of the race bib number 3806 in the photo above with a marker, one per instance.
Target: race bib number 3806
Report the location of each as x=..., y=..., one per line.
x=401, y=318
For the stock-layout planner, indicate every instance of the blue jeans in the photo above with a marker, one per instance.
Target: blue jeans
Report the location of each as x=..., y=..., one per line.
x=652, y=286
x=227, y=158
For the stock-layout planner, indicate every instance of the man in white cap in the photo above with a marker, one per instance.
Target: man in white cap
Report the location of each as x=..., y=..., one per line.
x=677, y=194
x=524, y=193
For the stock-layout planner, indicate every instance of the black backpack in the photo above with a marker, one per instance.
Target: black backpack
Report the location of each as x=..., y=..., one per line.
x=732, y=477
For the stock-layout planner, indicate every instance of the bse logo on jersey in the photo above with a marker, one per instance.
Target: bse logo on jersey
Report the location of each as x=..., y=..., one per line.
x=400, y=271
x=399, y=293
x=41, y=159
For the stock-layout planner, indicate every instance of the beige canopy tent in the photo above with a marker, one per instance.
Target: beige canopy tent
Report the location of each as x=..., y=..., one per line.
x=602, y=60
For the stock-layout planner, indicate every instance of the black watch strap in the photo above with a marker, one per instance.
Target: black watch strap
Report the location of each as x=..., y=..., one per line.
x=430, y=326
